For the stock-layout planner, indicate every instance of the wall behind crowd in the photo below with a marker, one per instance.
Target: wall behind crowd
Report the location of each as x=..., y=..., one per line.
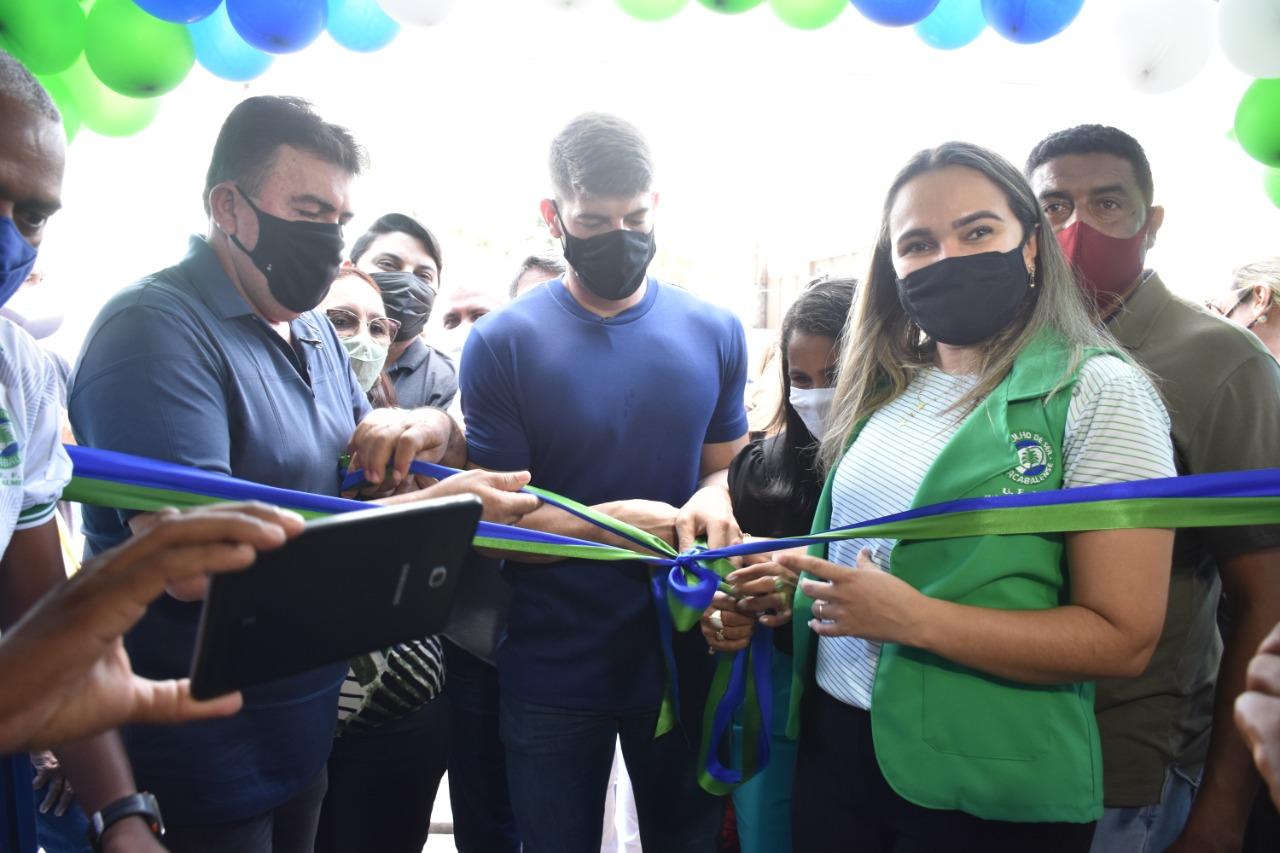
x=773, y=144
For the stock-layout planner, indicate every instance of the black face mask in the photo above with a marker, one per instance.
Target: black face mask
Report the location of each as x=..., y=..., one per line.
x=611, y=265
x=408, y=299
x=961, y=301
x=299, y=259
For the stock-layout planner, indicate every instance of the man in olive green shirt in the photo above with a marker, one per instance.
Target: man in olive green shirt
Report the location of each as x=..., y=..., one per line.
x=1173, y=779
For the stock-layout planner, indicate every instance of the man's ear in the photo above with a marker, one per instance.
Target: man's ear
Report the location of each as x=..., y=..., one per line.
x=1155, y=218
x=222, y=208
x=551, y=216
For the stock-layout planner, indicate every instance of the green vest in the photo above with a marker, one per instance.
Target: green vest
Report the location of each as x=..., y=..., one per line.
x=947, y=736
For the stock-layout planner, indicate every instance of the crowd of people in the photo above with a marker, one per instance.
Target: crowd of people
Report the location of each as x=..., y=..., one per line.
x=1096, y=690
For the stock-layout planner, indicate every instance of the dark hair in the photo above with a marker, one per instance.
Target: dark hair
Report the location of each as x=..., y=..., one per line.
x=600, y=155
x=1096, y=139
x=821, y=310
x=21, y=86
x=547, y=263
x=246, y=147
x=398, y=223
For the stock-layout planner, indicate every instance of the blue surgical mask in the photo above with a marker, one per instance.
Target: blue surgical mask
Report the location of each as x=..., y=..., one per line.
x=17, y=257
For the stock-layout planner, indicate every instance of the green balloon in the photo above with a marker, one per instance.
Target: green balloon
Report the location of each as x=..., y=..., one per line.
x=652, y=10
x=44, y=35
x=730, y=7
x=66, y=104
x=1271, y=183
x=1258, y=121
x=104, y=110
x=808, y=14
x=134, y=53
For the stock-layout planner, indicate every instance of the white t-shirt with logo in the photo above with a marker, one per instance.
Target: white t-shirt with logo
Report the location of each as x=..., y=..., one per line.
x=34, y=467
x=1117, y=430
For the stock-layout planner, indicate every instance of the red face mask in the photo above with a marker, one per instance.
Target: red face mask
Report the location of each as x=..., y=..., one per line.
x=1108, y=266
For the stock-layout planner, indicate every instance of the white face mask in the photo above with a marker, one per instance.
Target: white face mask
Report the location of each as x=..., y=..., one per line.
x=813, y=405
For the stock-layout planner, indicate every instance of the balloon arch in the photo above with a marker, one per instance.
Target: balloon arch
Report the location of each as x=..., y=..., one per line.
x=106, y=63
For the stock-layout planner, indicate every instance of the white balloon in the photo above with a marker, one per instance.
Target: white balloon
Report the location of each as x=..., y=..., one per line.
x=1163, y=44
x=417, y=13
x=1250, y=35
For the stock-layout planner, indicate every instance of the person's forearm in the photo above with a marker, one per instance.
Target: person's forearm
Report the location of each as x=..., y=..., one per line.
x=715, y=478
x=98, y=769
x=1055, y=646
x=1230, y=781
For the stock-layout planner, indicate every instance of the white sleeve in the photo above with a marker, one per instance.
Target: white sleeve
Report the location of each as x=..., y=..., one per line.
x=1117, y=427
x=46, y=468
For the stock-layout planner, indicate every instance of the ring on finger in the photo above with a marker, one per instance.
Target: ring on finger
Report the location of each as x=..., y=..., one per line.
x=817, y=608
x=716, y=623
x=720, y=636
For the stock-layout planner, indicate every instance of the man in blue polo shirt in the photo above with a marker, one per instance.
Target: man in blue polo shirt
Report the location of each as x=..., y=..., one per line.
x=623, y=392
x=220, y=363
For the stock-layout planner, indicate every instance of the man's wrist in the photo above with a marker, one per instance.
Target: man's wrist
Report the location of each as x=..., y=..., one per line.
x=126, y=833
x=125, y=816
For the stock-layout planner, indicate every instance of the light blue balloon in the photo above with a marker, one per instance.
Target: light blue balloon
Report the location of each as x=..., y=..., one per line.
x=361, y=24
x=895, y=13
x=278, y=26
x=953, y=24
x=221, y=51
x=1030, y=21
x=179, y=11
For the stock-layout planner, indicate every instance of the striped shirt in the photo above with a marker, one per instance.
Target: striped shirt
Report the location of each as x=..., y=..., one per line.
x=33, y=466
x=1117, y=430
x=384, y=686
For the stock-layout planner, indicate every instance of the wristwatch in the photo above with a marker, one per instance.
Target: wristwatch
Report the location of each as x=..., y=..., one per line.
x=142, y=804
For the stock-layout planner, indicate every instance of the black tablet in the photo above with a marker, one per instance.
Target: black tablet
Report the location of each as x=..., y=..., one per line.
x=347, y=585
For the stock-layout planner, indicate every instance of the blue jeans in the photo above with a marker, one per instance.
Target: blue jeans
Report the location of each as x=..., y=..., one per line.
x=66, y=834
x=558, y=763
x=1148, y=829
x=482, y=819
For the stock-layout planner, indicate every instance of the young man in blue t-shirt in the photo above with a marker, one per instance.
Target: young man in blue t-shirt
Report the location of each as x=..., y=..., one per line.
x=626, y=393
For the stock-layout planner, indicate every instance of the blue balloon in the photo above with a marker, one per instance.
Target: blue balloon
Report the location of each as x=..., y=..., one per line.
x=178, y=11
x=221, y=51
x=361, y=24
x=895, y=13
x=280, y=26
x=1030, y=21
x=953, y=24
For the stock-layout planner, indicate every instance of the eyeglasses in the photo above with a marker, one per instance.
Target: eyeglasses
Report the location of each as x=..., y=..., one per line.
x=347, y=324
x=1219, y=310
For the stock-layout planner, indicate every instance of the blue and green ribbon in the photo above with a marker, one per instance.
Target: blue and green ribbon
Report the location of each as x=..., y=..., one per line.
x=684, y=584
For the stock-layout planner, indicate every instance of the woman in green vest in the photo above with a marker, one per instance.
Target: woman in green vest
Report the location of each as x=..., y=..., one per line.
x=943, y=691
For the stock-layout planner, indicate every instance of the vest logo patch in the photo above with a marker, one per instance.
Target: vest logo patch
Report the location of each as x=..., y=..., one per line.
x=1035, y=459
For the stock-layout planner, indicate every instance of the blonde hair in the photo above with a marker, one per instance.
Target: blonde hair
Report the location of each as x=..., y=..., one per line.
x=884, y=350
x=1264, y=273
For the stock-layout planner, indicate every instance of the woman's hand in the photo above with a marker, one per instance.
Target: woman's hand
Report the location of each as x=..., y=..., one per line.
x=725, y=629
x=764, y=591
x=863, y=601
